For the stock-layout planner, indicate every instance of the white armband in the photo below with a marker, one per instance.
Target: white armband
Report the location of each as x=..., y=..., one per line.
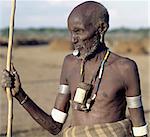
x=58, y=115
x=134, y=102
x=64, y=89
x=140, y=131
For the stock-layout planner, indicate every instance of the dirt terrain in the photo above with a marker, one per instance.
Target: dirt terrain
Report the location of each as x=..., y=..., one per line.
x=39, y=69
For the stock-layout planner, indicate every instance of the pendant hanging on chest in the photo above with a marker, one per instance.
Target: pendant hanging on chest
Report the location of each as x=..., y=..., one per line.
x=82, y=94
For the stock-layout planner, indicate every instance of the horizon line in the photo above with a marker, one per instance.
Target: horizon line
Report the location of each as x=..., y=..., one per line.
x=65, y=28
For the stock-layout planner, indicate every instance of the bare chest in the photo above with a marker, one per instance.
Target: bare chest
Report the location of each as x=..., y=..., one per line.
x=111, y=84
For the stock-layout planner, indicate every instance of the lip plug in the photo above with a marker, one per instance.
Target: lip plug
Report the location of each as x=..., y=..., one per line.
x=75, y=52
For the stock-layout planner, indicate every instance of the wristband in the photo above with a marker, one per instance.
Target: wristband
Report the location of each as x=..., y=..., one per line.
x=23, y=101
x=140, y=131
x=58, y=115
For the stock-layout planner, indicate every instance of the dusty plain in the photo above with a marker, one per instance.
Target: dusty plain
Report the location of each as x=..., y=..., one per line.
x=39, y=68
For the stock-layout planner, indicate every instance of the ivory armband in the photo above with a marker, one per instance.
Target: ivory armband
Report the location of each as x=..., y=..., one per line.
x=140, y=131
x=58, y=115
x=134, y=102
x=64, y=89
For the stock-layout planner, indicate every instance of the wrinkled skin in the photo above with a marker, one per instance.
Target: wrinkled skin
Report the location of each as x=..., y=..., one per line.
x=82, y=33
x=85, y=29
x=83, y=36
x=120, y=78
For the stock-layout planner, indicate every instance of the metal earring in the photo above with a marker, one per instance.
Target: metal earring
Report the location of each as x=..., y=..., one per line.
x=101, y=38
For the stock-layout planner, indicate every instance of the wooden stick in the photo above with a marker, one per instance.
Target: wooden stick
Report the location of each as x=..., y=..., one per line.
x=8, y=67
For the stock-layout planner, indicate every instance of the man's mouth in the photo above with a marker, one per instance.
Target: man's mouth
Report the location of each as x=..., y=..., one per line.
x=78, y=47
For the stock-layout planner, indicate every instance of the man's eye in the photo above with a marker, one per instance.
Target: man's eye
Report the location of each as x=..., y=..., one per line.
x=79, y=31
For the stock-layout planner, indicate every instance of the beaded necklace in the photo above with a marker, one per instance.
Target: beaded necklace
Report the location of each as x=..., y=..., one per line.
x=98, y=74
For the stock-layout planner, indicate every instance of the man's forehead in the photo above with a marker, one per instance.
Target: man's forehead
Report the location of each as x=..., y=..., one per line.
x=76, y=16
x=81, y=14
x=79, y=20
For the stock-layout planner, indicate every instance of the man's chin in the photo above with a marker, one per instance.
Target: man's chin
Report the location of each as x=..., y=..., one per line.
x=83, y=52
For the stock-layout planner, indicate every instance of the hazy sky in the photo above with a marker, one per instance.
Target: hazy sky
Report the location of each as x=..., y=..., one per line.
x=53, y=13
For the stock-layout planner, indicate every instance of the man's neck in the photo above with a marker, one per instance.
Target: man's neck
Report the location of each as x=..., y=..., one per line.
x=98, y=51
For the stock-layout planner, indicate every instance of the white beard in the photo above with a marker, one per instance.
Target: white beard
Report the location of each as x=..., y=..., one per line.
x=87, y=51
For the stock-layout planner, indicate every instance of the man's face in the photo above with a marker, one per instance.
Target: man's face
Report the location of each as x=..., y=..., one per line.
x=82, y=33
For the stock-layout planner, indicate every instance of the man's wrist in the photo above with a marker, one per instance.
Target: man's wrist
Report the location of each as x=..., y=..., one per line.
x=141, y=131
x=20, y=96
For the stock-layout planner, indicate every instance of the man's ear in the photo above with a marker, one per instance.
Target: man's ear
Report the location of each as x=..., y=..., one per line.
x=102, y=27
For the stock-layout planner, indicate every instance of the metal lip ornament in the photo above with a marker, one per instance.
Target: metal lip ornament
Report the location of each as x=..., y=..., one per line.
x=76, y=52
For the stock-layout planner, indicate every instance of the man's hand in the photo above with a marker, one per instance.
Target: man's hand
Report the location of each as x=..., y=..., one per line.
x=11, y=80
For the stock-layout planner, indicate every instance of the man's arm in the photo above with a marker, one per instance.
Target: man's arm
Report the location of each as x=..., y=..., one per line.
x=45, y=120
x=54, y=122
x=133, y=96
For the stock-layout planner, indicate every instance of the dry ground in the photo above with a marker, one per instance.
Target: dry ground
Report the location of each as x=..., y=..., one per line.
x=39, y=69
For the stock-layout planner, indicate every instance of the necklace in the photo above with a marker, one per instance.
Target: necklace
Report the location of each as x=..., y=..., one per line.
x=83, y=96
x=100, y=74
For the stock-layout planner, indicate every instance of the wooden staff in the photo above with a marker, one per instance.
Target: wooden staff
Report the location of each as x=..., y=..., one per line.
x=8, y=68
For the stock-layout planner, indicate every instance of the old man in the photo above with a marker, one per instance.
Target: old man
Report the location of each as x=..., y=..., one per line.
x=95, y=82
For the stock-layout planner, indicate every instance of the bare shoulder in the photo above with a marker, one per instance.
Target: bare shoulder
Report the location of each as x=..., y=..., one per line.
x=66, y=68
x=69, y=58
x=68, y=62
x=124, y=64
x=129, y=74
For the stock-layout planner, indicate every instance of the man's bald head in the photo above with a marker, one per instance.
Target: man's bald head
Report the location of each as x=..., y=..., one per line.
x=93, y=12
x=87, y=24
